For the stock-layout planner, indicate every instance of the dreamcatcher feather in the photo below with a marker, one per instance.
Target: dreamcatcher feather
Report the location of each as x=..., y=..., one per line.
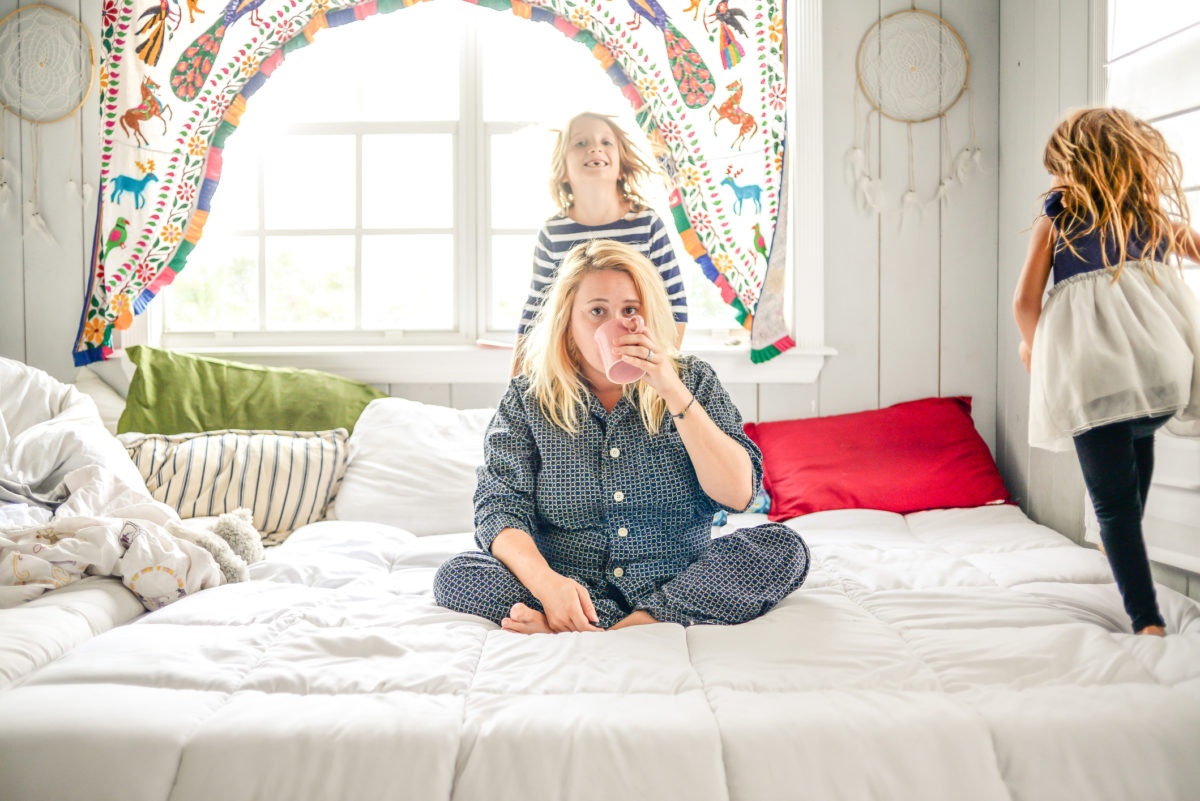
x=912, y=67
x=46, y=71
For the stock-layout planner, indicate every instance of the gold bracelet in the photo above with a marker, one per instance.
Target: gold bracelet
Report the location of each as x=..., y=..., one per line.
x=685, y=409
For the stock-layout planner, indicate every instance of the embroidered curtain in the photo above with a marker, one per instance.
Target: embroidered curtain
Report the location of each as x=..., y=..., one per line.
x=707, y=83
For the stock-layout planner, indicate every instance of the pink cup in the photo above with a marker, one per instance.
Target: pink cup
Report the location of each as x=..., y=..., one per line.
x=618, y=372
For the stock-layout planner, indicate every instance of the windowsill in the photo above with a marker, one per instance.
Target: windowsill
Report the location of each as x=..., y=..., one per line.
x=484, y=365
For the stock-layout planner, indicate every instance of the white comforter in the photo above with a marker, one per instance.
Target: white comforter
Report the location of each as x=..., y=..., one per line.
x=72, y=503
x=964, y=655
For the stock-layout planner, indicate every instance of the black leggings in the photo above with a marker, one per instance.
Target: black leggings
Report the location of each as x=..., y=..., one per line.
x=1117, y=461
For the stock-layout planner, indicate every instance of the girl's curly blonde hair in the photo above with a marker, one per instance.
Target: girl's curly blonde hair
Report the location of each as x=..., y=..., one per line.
x=1119, y=178
x=635, y=170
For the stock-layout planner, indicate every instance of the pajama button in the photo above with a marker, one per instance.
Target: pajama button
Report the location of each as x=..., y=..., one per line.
x=615, y=452
x=618, y=571
x=622, y=532
x=618, y=496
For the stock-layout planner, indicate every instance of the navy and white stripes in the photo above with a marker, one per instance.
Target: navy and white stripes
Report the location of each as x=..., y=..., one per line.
x=642, y=229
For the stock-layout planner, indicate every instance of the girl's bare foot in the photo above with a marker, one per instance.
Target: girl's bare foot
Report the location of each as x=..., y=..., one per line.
x=524, y=620
x=1154, y=631
x=638, y=618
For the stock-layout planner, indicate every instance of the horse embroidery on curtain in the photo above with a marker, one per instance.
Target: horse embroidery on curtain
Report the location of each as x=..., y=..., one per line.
x=707, y=84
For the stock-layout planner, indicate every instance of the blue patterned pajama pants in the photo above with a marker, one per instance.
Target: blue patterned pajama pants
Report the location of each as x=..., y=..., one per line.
x=742, y=576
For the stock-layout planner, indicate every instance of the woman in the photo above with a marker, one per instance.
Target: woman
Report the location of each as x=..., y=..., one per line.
x=595, y=500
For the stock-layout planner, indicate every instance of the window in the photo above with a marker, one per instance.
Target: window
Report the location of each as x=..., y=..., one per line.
x=1150, y=68
x=387, y=183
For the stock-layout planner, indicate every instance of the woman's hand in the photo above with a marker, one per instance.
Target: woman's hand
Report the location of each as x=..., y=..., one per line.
x=566, y=603
x=642, y=350
x=1026, y=355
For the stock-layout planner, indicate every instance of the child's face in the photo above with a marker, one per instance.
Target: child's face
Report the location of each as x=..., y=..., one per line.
x=593, y=157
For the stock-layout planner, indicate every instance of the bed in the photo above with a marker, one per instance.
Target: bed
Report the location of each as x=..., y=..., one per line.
x=952, y=653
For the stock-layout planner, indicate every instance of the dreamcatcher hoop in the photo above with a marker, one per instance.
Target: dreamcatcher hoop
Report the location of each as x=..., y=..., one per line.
x=912, y=67
x=47, y=67
x=906, y=63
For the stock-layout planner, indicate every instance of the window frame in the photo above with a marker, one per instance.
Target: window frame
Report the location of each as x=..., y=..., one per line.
x=1101, y=37
x=382, y=361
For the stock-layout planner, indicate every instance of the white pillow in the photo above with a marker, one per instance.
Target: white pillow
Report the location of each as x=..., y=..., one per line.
x=108, y=400
x=285, y=478
x=412, y=465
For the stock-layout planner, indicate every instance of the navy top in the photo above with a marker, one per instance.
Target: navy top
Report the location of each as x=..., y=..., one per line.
x=610, y=505
x=642, y=230
x=1067, y=263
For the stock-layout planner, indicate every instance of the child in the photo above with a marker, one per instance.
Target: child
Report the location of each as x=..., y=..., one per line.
x=1113, y=351
x=596, y=179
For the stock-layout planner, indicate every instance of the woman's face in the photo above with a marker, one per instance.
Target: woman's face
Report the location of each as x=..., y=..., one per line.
x=593, y=157
x=602, y=296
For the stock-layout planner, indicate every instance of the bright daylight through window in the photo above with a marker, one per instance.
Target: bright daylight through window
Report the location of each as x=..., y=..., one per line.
x=1151, y=69
x=387, y=183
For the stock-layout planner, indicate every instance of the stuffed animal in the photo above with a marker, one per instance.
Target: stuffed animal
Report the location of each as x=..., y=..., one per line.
x=232, y=540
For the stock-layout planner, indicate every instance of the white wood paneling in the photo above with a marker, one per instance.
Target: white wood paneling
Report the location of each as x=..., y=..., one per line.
x=850, y=381
x=48, y=276
x=968, y=229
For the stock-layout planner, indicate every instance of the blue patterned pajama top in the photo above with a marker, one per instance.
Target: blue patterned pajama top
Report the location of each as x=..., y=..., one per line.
x=620, y=511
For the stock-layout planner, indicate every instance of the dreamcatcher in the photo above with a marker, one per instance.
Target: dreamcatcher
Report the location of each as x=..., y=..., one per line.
x=912, y=67
x=46, y=70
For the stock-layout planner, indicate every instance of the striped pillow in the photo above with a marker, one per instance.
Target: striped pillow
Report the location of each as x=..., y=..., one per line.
x=286, y=478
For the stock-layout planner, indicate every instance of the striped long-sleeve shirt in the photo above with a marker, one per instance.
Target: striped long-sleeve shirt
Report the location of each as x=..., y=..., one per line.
x=642, y=229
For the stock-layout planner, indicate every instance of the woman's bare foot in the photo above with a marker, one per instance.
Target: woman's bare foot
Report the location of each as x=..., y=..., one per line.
x=638, y=618
x=524, y=620
x=1153, y=631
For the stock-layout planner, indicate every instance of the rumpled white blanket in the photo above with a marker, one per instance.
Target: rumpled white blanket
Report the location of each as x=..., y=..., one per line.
x=72, y=503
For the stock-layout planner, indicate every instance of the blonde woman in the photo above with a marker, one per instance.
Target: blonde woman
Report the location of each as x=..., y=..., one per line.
x=595, y=500
x=597, y=181
x=1113, y=350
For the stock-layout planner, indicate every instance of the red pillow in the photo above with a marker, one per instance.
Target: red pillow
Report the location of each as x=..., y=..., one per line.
x=923, y=454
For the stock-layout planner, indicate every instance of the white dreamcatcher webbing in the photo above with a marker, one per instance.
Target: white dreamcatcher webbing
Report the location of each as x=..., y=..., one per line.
x=912, y=67
x=46, y=72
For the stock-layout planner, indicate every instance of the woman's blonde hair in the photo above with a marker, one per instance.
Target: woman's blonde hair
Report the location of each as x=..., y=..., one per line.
x=552, y=359
x=634, y=173
x=1119, y=179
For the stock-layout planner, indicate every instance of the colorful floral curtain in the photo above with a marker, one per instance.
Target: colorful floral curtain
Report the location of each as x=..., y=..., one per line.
x=707, y=83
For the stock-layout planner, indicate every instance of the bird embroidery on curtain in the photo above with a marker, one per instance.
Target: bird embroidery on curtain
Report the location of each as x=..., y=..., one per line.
x=688, y=69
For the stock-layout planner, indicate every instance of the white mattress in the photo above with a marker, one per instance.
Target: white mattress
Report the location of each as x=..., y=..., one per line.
x=959, y=654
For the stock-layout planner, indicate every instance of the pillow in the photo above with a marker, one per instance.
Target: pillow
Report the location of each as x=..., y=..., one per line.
x=285, y=478
x=176, y=393
x=412, y=465
x=108, y=401
x=923, y=454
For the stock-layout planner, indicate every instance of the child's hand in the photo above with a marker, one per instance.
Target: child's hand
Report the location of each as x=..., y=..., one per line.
x=1026, y=354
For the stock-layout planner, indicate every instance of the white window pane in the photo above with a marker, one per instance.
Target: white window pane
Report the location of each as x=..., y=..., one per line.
x=309, y=182
x=235, y=203
x=415, y=51
x=515, y=49
x=408, y=282
x=1160, y=79
x=1136, y=23
x=511, y=274
x=218, y=291
x=520, y=190
x=1183, y=135
x=310, y=283
x=357, y=71
x=408, y=181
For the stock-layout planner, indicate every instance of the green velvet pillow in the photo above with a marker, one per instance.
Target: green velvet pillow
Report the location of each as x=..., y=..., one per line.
x=176, y=393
